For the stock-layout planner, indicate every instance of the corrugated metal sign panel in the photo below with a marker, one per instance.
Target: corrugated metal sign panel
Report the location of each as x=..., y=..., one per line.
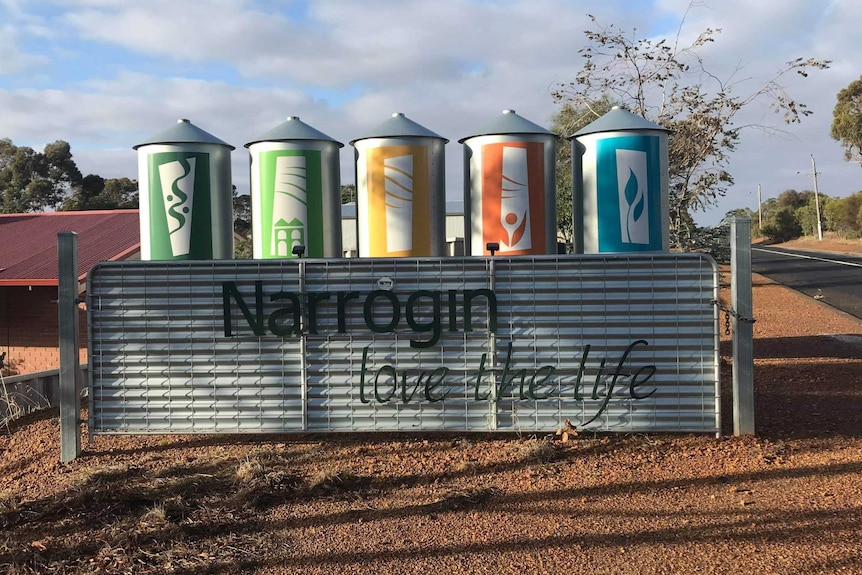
x=616, y=343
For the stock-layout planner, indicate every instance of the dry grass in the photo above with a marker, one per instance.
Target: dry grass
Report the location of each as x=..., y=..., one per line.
x=250, y=470
x=337, y=482
x=9, y=501
x=536, y=450
x=155, y=517
x=9, y=406
x=462, y=499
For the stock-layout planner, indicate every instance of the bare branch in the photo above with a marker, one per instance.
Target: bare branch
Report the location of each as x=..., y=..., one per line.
x=671, y=84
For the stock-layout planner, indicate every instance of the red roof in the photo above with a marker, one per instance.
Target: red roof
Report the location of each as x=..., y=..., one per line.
x=28, y=243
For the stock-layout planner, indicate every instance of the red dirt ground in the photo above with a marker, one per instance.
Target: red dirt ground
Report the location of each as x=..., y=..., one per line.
x=787, y=501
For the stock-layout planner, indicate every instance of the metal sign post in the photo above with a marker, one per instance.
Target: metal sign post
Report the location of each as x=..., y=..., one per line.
x=70, y=427
x=743, y=328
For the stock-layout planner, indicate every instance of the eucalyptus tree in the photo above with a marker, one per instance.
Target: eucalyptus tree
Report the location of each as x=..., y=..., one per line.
x=668, y=82
x=847, y=121
x=32, y=181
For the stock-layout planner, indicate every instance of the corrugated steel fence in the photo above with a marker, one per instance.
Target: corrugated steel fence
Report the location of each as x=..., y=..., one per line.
x=618, y=343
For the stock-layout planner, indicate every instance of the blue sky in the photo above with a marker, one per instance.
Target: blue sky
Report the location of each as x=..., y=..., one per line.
x=105, y=74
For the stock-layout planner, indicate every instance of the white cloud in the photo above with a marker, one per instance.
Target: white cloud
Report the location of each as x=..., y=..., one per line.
x=12, y=59
x=339, y=44
x=451, y=65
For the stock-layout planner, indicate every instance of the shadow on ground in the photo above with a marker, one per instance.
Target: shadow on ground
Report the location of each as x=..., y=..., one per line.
x=804, y=387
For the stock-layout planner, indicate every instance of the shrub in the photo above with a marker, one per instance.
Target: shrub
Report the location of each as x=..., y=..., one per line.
x=782, y=226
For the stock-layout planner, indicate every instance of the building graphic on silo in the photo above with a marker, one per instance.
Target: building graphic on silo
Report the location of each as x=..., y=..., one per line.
x=289, y=202
x=295, y=193
x=289, y=205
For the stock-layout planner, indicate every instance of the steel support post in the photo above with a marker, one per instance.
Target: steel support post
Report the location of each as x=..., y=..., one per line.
x=743, y=328
x=70, y=408
x=303, y=342
x=492, y=349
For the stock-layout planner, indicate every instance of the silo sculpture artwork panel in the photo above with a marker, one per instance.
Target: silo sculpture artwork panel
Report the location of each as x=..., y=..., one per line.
x=400, y=190
x=509, y=188
x=513, y=197
x=295, y=192
x=629, y=196
x=620, y=195
x=179, y=202
x=397, y=198
x=184, y=186
x=290, y=202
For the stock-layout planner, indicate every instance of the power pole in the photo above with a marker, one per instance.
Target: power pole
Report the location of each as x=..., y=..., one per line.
x=816, y=199
x=759, y=209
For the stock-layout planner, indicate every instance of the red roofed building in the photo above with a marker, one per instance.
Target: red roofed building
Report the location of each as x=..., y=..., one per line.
x=28, y=276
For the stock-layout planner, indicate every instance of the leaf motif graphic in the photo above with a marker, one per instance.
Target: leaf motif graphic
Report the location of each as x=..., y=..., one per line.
x=639, y=209
x=631, y=188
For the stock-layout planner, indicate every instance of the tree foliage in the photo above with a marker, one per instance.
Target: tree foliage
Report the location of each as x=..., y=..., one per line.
x=97, y=193
x=32, y=181
x=348, y=193
x=847, y=120
x=668, y=83
x=794, y=200
x=844, y=215
x=738, y=213
x=806, y=217
x=243, y=248
x=241, y=213
x=565, y=122
x=783, y=226
x=793, y=214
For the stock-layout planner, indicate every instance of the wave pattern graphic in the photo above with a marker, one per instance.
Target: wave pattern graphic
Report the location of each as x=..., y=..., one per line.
x=178, y=185
x=289, y=205
x=398, y=179
x=515, y=201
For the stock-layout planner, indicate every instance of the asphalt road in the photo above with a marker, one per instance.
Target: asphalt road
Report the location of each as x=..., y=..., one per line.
x=835, y=279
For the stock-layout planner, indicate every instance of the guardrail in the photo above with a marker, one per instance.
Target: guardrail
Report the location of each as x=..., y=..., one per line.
x=21, y=395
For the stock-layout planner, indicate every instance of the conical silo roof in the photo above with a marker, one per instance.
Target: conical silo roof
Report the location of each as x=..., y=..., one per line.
x=183, y=132
x=618, y=120
x=400, y=126
x=509, y=122
x=294, y=129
